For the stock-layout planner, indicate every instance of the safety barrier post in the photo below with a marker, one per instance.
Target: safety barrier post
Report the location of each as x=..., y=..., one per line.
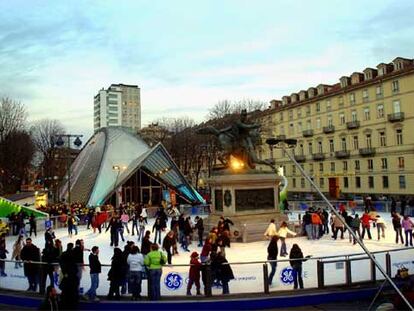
x=207, y=285
x=388, y=263
x=348, y=272
x=42, y=278
x=265, y=279
x=148, y=284
x=373, y=272
x=320, y=272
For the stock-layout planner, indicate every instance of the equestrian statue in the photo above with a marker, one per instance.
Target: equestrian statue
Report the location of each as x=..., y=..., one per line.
x=238, y=140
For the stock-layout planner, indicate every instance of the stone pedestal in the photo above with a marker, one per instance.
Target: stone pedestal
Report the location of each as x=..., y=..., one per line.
x=249, y=199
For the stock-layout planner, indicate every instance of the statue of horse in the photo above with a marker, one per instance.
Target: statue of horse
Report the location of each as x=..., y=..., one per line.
x=238, y=140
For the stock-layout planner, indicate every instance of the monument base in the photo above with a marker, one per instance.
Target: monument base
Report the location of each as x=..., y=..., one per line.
x=249, y=199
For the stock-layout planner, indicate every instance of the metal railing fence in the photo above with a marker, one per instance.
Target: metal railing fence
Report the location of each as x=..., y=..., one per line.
x=250, y=277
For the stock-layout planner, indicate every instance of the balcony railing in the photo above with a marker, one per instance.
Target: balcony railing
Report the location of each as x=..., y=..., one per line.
x=300, y=158
x=367, y=151
x=342, y=154
x=396, y=117
x=318, y=156
x=352, y=125
x=307, y=133
x=329, y=129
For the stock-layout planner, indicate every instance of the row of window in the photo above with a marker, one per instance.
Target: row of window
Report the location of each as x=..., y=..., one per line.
x=342, y=119
x=395, y=88
x=357, y=165
x=358, y=182
x=382, y=142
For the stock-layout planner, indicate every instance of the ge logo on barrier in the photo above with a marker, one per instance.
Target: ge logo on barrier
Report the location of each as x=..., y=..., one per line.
x=286, y=276
x=173, y=281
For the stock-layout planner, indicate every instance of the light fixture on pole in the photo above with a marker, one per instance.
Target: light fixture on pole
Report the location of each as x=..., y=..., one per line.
x=119, y=169
x=291, y=143
x=60, y=142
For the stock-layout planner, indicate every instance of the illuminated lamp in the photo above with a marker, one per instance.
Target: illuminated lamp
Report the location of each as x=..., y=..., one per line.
x=236, y=164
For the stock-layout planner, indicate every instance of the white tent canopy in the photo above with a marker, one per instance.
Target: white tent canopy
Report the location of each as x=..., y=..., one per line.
x=94, y=179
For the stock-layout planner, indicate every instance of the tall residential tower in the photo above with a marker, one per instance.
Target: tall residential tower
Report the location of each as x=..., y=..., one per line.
x=119, y=105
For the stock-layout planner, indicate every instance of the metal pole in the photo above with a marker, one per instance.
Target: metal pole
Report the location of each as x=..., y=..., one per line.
x=388, y=263
x=373, y=272
x=207, y=285
x=336, y=213
x=68, y=168
x=265, y=279
x=320, y=273
x=348, y=273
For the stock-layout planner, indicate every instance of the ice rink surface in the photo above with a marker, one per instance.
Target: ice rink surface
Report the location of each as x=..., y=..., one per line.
x=248, y=277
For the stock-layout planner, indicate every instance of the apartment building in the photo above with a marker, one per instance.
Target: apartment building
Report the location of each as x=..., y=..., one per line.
x=353, y=137
x=119, y=105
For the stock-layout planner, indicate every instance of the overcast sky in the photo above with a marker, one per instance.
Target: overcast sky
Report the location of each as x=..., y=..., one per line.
x=187, y=55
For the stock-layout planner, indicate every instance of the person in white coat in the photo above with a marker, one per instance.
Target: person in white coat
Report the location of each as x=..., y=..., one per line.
x=380, y=226
x=271, y=230
x=135, y=262
x=282, y=233
x=144, y=214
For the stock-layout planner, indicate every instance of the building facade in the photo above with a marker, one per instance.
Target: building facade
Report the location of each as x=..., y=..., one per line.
x=354, y=137
x=119, y=105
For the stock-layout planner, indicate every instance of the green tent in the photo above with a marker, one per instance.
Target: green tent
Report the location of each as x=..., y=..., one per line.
x=7, y=207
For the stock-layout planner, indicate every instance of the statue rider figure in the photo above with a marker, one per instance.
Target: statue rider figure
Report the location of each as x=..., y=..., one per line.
x=238, y=140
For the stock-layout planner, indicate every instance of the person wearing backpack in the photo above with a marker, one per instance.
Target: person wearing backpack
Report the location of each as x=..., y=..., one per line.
x=154, y=261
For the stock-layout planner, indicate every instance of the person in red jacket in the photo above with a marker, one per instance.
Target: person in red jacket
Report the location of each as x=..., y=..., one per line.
x=194, y=275
x=205, y=251
x=366, y=225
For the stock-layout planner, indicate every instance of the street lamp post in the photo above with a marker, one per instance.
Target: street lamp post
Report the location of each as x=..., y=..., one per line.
x=119, y=169
x=291, y=143
x=60, y=142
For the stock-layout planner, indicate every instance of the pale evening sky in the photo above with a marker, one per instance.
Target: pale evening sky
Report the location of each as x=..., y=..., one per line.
x=188, y=55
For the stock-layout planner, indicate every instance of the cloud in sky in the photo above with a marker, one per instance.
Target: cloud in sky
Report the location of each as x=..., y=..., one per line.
x=187, y=55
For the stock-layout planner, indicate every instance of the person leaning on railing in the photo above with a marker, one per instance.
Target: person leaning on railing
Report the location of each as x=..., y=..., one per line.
x=116, y=274
x=194, y=274
x=50, y=255
x=296, y=264
x=154, y=260
x=29, y=253
x=272, y=251
x=69, y=283
x=135, y=262
x=222, y=271
x=95, y=269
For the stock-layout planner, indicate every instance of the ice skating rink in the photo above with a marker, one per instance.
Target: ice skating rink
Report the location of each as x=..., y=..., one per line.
x=248, y=277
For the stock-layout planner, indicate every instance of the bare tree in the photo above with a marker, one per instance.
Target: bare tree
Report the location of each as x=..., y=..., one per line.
x=227, y=107
x=44, y=132
x=15, y=145
x=13, y=117
x=154, y=133
x=220, y=110
x=16, y=156
x=249, y=105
